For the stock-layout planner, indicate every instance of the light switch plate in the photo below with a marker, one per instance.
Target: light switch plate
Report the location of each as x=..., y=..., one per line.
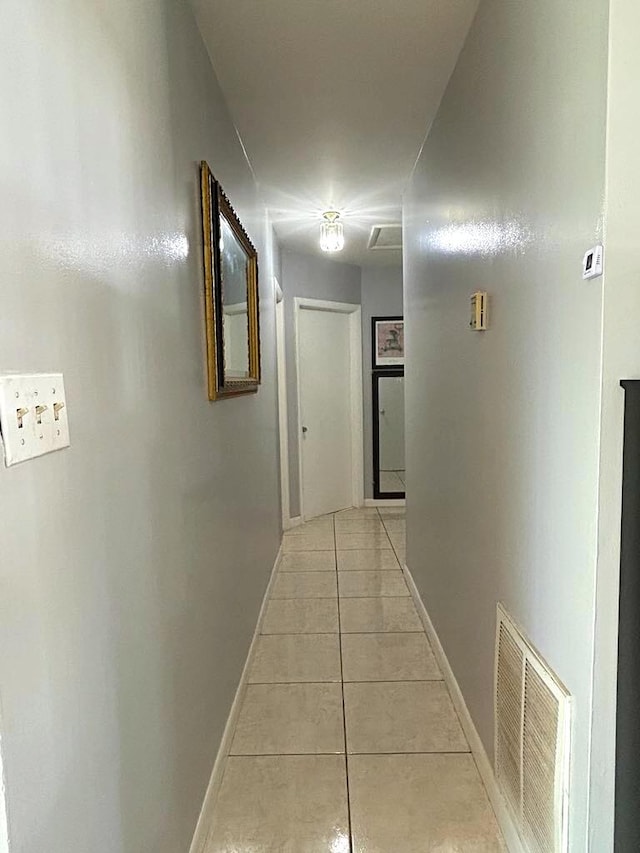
x=33, y=415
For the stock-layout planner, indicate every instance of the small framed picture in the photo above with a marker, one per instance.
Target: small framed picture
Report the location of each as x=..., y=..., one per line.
x=387, y=335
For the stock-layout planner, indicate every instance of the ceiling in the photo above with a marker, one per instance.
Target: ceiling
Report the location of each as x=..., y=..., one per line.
x=332, y=100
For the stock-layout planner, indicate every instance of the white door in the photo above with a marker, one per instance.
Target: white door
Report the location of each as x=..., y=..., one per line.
x=324, y=365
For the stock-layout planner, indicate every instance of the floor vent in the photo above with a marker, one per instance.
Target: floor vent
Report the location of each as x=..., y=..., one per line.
x=532, y=740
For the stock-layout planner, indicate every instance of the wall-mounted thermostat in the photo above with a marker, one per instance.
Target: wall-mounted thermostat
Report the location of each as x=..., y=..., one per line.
x=479, y=318
x=593, y=263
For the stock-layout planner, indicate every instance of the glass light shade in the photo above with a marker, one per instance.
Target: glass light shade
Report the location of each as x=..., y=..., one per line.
x=331, y=233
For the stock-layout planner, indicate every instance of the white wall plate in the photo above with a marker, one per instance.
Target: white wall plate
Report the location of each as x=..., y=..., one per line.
x=33, y=415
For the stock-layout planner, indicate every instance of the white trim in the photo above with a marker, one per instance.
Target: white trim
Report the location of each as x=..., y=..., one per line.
x=283, y=425
x=290, y=523
x=399, y=502
x=201, y=833
x=4, y=827
x=500, y=808
x=357, y=428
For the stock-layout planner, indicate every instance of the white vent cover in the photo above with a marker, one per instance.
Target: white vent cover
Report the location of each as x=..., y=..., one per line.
x=532, y=740
x=385, y=237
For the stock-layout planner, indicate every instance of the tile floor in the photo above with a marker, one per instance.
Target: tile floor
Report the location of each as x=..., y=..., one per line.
x=347, y=740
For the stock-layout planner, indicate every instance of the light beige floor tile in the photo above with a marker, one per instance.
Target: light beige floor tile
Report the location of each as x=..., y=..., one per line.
x=305, y=585
x=281, y=804
x=374, y=615
x=367, y=560
x=395, y=525
x=359, y=525
x=398, y=540
x=388, y=657
x=315, y=542
x=360, y=541
x=401, y=716
x=369, y=584
x=290, y=719
x=392, y=512
x=420, y=804
x=358, y=512
x=301, y=616
x=401, y=555
x=282, y=658
x=308, y=561
x=321, y=526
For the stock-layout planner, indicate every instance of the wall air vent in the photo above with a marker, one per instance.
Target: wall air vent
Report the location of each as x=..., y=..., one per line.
x=532, y=740
x=385, y=237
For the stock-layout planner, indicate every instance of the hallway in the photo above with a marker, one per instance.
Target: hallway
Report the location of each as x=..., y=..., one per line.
x=347, y=739
x=456, y=183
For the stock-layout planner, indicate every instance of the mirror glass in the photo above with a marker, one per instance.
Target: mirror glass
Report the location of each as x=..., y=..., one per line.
x=389, y=461
x=233, y=267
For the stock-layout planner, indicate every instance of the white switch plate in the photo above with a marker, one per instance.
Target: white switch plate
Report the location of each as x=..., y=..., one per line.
x=33, y=415
x=593, y=263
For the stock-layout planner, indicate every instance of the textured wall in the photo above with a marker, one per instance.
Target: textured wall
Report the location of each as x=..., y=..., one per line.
x=311, y=277
x=503, y=426
x=381, y=295
x=130, y=588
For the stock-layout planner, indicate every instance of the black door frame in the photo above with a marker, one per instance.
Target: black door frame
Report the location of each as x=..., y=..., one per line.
x=377, y=375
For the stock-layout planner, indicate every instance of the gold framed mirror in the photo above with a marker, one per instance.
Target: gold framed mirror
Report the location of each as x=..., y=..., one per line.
x=231, y=296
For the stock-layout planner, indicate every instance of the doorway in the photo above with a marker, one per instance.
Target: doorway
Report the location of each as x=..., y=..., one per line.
x=329, y=366
x=389, y=474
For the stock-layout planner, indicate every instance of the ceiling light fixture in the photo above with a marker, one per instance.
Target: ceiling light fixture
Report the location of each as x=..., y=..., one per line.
x=331, y=232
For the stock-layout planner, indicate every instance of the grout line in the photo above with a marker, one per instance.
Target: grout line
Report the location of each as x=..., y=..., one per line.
x=348, y=754
x=307, y=572
x=384, y=633
x=320, y=597
x=293, y=683
x=336, y=633
x=422, y=752
x=299, y=598
x=357, y=597
x=306, y=633
x=397, y=681
x=282, y=755
x=344, y=710
x=300, y=683
x=350, y=681
x=395, y=631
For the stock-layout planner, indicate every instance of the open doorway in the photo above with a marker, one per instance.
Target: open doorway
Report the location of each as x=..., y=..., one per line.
x=389, y=469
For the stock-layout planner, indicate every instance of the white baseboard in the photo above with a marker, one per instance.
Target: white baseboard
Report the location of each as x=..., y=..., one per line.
x=213, y=788
x=390, y=502
x=500, y=808
x=290, y=523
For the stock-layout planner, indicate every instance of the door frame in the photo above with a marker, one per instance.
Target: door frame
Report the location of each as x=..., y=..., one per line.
x=355, y=370
x=281, y=363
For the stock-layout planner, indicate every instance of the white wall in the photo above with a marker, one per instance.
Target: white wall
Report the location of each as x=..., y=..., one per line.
x=130, y=588
x=621, y=361
x=381, y=296
x=504, y=426
x=310, y=277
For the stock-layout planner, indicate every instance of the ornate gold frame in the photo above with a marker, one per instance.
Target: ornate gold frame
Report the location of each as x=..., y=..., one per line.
x=214, y=204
